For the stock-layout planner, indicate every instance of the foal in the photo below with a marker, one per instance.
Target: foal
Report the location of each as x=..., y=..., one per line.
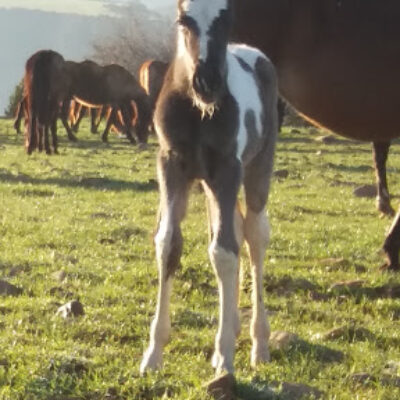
x=216, y=120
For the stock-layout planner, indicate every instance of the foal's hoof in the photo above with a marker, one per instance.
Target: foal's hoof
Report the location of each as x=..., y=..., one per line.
x=389, y=267
x=385, y=208
x=259, y=355
x=72, y=138
x=152, y=361
x=104, y=139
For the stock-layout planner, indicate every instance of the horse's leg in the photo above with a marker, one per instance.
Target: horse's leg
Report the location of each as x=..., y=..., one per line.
x=81, y=113
x=47, y=138
x=64, y=119
x=256, y=182
x=54, y=135
x=239, y=234
x=222, y=193
x=19, y=114
x=94, y=115
x=127, y=116
x=111, y=117
x=174, y=187
x=31, y=133
x=391, y=246
x=380, y=155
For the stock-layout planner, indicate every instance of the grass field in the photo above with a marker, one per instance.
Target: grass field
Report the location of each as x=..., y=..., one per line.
x=91, y=211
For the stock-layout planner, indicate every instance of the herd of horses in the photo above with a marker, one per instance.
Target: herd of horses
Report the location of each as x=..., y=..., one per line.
x=215, y=114
x=53, y=87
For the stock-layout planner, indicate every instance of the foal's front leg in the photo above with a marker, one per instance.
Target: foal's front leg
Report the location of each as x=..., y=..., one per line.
x=168, y=240
x=224, y=256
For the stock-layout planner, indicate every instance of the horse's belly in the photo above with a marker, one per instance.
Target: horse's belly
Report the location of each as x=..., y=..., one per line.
x=363, y=108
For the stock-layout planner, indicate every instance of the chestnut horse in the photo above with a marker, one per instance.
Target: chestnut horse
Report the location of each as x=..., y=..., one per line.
x=337, y=64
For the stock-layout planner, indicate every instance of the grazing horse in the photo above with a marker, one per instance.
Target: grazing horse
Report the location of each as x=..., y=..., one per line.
x=45, y=88
x=94, y=86
x=151, y=77
x=216, y=120
x=337, y=64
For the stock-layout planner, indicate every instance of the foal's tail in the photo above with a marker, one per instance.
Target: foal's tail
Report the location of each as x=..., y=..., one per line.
x=37, y=85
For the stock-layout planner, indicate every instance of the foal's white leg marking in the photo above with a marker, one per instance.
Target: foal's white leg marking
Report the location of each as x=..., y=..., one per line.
x=226, y=268
x=257, y=236
x=161, y=325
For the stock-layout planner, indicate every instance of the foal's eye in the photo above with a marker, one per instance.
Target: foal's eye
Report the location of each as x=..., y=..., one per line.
x=187, y=22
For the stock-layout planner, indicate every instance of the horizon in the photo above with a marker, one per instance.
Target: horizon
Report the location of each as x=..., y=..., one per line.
x=21, y=39
x=79, y=7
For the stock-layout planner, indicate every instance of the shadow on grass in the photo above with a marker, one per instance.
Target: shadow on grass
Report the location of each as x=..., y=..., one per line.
x=96, y=183
x=316, y=352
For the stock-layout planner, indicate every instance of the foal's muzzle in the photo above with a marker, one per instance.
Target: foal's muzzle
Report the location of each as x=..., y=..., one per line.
x=207, y=82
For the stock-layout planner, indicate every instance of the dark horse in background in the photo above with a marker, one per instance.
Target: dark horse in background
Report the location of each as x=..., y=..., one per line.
x=45, y=88
x=338, y=64
x=50, y=83
x=95, y=86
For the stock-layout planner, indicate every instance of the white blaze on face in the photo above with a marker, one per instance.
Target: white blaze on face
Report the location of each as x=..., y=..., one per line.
x=204, y=12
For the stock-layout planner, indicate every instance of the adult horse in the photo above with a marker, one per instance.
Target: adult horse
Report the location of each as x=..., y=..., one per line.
x=95, y=86
x=45, y=88
x=337, y=64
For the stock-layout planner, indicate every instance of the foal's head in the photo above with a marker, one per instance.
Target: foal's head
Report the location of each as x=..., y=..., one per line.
x=203, y=34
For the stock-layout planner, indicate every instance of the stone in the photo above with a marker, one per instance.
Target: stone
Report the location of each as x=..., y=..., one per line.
x=7, y=289
x=59, y=276
x=367, y=191
x=298, y=391
x=346, y=286
x=350, y=333
x=362, y=378
x=72, y=309
x=281, y=340
x=222, y=388
x=281, y=173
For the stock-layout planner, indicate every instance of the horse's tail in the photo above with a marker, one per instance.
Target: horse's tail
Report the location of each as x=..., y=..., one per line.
x=144, y=76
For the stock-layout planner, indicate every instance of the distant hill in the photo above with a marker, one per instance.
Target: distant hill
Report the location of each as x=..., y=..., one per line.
x=23, y=32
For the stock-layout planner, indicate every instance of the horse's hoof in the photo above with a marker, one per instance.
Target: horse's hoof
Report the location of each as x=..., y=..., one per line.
x=73, y=138
x=389, y=267
x=259, y=355
x=152, y=361
x=142, y=146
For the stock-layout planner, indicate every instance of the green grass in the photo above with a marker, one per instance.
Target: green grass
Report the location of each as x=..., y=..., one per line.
x=91, y=212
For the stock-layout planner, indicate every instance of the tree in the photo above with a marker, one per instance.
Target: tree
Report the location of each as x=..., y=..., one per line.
x=139, y=35
x=14, y=100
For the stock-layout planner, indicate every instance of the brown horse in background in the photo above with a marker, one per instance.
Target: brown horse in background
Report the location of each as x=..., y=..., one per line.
x=151, y=78
x=95, y=86
x=45, y=88
x=337, y=63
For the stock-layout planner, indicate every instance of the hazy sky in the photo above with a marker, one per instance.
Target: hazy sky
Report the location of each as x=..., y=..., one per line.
x=84, y=7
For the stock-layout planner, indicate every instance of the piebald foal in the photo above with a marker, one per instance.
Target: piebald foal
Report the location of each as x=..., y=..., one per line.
x=216, y=120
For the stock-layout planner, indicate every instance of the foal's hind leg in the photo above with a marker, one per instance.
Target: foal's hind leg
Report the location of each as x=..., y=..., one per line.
x=256, y=232
x=174, y=188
